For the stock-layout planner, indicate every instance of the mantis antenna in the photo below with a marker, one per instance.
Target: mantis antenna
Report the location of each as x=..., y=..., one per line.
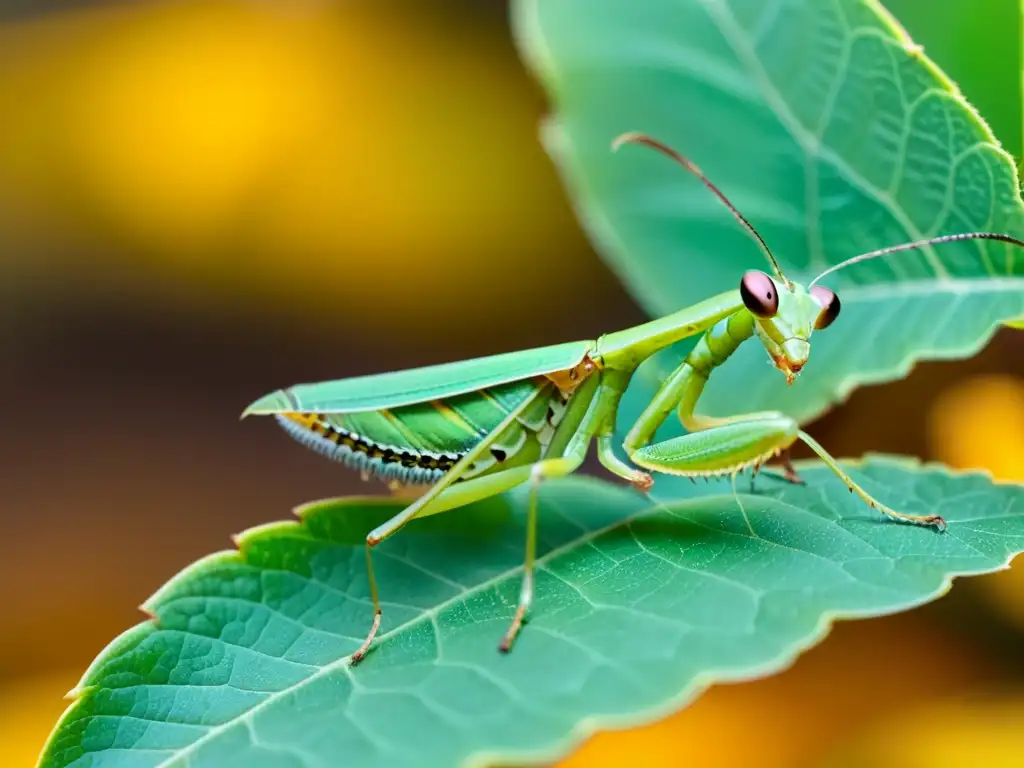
x=918, y=244
x=634, y=137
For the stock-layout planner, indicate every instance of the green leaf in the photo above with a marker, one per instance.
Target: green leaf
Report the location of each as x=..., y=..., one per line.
x=639, y=605
x=978, y=44
x=828, y=129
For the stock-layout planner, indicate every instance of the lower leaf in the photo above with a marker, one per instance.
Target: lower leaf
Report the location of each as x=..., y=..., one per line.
x=640, y=603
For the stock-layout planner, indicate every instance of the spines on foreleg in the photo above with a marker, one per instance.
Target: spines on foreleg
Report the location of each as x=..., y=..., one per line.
x=723, y=450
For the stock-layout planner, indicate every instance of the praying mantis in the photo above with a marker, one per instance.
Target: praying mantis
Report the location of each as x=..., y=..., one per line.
x=473, y=429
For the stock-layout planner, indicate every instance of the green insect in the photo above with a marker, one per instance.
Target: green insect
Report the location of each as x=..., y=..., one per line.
x=473, y=429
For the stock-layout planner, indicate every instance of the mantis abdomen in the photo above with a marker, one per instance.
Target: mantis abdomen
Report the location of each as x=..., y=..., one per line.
x=416, y=444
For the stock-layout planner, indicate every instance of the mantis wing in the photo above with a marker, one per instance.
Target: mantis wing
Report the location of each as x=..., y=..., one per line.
x=435, y=382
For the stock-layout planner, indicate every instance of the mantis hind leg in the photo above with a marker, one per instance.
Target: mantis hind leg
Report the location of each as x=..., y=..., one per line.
x=460, y=495
x=434, y=500
x=743, y=442
x=464, y=493
x=572, y=436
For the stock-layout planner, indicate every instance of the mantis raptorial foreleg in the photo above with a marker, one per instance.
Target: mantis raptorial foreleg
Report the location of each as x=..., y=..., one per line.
x=726, y=446
x=749, y=442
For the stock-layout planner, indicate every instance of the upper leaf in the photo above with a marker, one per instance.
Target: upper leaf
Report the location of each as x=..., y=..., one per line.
x=827, y=128
x=638, y=607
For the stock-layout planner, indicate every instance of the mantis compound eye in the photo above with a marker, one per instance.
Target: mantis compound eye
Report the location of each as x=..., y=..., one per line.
x=759, y=293
x=829, y=306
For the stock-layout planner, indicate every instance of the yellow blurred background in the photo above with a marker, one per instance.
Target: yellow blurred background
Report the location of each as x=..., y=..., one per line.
x=200, y=201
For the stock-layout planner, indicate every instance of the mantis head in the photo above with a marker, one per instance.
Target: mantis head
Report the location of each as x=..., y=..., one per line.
x=786, y=313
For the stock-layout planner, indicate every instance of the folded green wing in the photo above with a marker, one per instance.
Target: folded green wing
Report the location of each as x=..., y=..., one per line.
x=391, y=390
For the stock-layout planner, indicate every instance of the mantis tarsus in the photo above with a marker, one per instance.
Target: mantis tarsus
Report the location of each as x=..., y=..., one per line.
x=476, y=428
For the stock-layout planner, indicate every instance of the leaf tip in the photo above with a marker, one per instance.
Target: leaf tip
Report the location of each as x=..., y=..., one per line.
x=150, y=613
x=244, y=541
x=75, y=693
x=304, y=510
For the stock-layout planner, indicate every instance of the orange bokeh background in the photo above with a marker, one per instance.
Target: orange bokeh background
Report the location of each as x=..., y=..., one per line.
x=200, y=201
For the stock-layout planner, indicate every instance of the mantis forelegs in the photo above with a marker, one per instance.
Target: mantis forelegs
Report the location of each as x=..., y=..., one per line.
x=726, y=446
x=749, y=442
